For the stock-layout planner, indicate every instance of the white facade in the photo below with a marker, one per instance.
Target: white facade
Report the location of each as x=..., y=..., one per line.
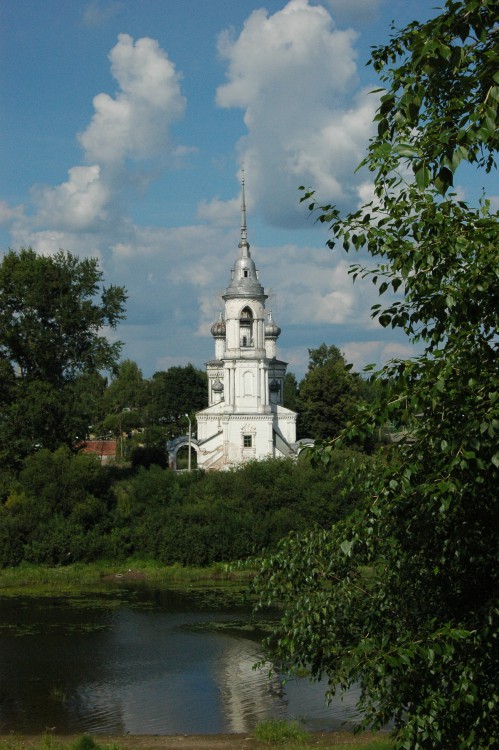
x=245, y=419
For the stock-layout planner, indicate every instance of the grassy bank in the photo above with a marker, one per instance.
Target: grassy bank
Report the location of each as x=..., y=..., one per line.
x=283, y=740
x=47, y=580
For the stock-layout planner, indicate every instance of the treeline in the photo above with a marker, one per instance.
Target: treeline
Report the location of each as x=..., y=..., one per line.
x=65, y=508
x=63, y=383
x=61, y=380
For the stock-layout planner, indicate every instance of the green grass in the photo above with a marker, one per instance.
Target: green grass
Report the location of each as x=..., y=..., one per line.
x=278, y=731
x=290, y=735
x=67, y=579
x=280, y=734
x=49, y=742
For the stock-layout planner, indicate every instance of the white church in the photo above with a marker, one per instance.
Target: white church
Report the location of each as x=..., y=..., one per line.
x=245, y=419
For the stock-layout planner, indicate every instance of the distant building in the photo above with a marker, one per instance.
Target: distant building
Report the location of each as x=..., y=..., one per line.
x=245, y=419
x=105, y=450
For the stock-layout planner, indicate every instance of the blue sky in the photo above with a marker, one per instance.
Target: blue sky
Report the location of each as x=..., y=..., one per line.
x=124, y=125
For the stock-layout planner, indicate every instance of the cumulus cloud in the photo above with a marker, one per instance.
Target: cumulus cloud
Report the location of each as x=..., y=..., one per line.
x=218, y=212
x=78, y=204
x=10, y=214
x=294, y=76
x=135, y=123
x=293, y=73
x=363, y=353
x=313, y=287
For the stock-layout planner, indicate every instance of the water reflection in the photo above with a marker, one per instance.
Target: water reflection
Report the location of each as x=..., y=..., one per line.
x=141, y=661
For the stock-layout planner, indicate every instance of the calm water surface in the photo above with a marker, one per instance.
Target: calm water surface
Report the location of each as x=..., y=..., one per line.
x=144, y=661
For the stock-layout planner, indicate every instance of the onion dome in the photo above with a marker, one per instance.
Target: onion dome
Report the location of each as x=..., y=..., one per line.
x=218, y=328
x=217, y=386
x=274, y=386
x=272, y=330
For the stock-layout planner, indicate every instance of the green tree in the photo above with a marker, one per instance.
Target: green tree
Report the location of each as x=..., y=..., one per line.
x=126, y=389
x=124, y=401
x=328, y=394
x=52, y=312
x=175, y=393
x=402, y=597
x=324, y=355
x=290, y=391
x=56, y=511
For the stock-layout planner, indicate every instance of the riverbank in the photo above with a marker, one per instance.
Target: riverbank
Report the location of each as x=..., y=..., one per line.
x=42, y=580
x=336, y=740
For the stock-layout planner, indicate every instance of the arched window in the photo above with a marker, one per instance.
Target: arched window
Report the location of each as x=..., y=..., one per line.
x=246, y=327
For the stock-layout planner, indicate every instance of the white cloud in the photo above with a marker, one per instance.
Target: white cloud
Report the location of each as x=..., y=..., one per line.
x=377, y=351
x=76, y=205
x=218, y=212
x=294, y=74
x=494, y=202
x=135, y=123
x=10, y=214
x=49, y=241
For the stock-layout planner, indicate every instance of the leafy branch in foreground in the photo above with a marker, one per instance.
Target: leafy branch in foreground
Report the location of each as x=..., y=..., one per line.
x=401, y=598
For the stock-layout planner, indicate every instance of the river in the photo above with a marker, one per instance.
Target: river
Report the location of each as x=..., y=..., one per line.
x=138, y=660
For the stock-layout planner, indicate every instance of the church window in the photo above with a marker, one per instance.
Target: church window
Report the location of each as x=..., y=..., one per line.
x=245, y=273
x=246, y=327
x=247, y=441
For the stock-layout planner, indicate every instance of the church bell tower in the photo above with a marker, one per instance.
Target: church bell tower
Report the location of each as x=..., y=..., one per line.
x=245, y=419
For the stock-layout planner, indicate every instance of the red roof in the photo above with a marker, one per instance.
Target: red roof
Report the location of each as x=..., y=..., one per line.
x=99, y=447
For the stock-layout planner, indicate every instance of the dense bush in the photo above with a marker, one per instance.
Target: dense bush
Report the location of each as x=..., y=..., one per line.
x=64, y=508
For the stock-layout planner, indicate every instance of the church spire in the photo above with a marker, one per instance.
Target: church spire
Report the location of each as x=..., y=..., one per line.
x=244, y=231
x=244, y=278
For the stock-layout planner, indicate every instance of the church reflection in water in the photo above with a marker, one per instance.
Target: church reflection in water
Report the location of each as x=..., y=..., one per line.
x=156, y=664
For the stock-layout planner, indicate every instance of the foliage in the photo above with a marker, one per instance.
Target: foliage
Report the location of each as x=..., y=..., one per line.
x=290, y=391
x=56, y=511
x=328, y=395
x=402, y=596
x=65, y=508
x=175, y=393
x=51, y=323
x=148, y=456
x=126, y=389
x=148, y=413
